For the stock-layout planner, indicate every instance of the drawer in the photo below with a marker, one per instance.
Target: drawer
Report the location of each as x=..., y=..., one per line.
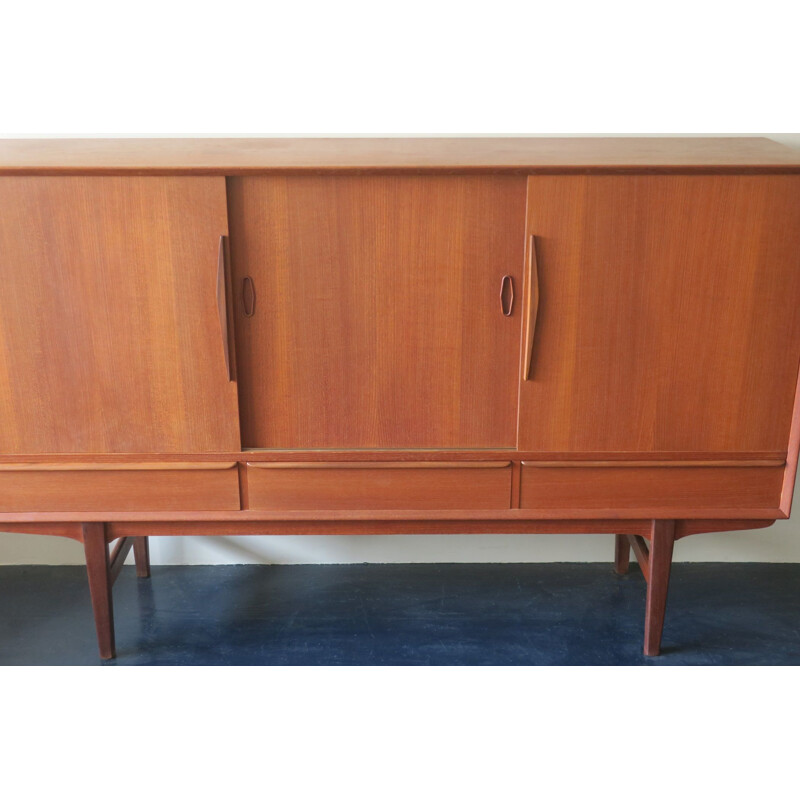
x=119, y=487
x=663, y=487
x=378, y=485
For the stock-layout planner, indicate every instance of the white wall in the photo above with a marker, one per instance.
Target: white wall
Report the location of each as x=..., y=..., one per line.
x=780, y=543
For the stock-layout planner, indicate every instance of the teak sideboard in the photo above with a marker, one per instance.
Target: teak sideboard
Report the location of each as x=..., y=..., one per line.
x=373, y=336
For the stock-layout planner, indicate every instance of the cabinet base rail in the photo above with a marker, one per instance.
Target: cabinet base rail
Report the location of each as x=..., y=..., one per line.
x=103, y=568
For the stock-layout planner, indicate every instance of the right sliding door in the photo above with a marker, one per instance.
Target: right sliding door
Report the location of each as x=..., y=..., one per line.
x=668, y=313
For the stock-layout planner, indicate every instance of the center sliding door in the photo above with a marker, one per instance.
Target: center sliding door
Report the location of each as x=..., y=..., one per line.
x=378, y=311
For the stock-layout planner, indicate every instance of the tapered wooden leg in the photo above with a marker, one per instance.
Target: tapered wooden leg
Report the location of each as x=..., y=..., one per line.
x=141, y=555
x=622, y=554
x=97, y=568
x=662, y=540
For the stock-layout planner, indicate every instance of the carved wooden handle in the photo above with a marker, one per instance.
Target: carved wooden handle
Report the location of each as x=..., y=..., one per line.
x=248, y=296
x=222, y=305
x=507, y=295
x=533, y=306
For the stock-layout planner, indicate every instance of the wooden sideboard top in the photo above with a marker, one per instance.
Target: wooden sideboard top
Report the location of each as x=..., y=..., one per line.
x=215, y=156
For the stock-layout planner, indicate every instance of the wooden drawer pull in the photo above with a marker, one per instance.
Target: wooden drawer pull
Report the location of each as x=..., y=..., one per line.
x=111, y=466
x=222, y=305
x=370, y=465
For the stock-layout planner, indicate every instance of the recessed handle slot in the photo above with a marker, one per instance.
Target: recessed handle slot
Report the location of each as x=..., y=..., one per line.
x=507, y=295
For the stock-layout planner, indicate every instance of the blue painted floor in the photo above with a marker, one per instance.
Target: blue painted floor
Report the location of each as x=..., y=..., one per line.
x=404, y=614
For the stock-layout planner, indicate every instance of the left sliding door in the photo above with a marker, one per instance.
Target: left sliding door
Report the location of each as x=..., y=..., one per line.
x=113, y=324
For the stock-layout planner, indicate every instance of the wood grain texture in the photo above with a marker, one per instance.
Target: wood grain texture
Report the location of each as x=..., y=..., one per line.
x=662, y=539
x=109, y=337
x=727, y=462
x=377, y=323
x=119, y=490
x=141, y=555
x=622, y=554
x=642, y=553
x=208, y=527
x=372, y=465
x=790, y=475
x=668, y=314
x=68, y=530
x=117, y=558
x=774, y=458
x=691, y=527
x=531, y=305
x=368, y=527
x=677, y=488
x=484, y=519
x=360, y=291
x=248, y=156
x=329, y=488
x=224, y=304
x=116, y=466
x=95, y=545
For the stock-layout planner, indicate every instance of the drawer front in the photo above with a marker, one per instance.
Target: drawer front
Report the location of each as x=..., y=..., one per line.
x=130, y=487
x=666, y=487
x=378, y=486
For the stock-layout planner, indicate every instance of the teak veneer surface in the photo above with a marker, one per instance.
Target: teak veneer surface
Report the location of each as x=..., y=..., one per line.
x=78, y=466
x=249, y=156
x=476, y=520
x=329, y=487
x=639, y=487
x=429, y=336
x=73, y=530
x=377, y=320
x=752, y=459
x=667, y=313
x=110, y=340
x=108, y=490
